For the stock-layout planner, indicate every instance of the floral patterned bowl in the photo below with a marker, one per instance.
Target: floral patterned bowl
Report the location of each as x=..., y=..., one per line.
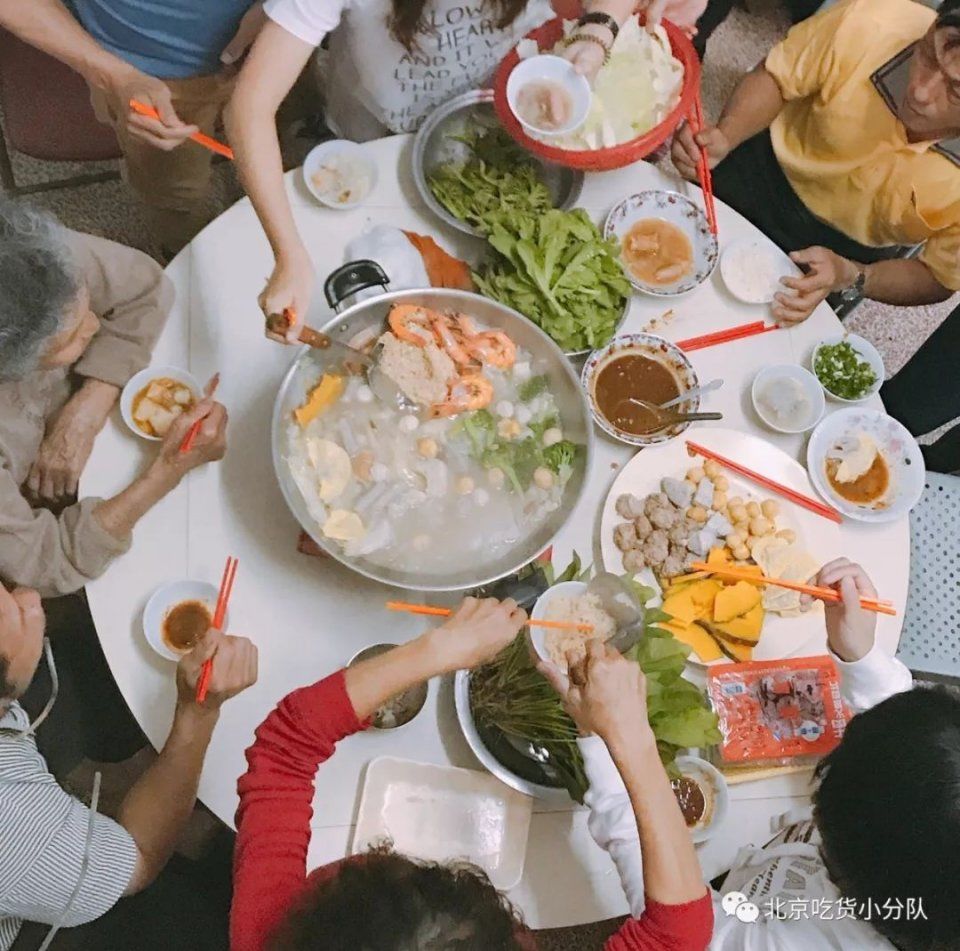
x=680, y=211
x=649, y=345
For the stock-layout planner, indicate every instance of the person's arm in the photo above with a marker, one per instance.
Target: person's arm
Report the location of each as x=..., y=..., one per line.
x=132, y=297
x=903, y=282
x=158, y=806
x=58, y=554
x=276, y=792
x=48, y=25
x=752, y=107
x=271, y=69
x=605, y=694
x=868, y=675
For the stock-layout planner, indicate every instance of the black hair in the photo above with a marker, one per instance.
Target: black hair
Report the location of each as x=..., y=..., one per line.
x=382, y=901
x=948, y=14
x=888, y=811
x=6, y=687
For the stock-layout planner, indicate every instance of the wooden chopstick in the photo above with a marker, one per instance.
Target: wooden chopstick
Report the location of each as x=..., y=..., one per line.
x=197, y=137
x=703, y=168
x=726, y=336
x=798, y=498
x=192, y=432
x=816, y=591
x=434, y=611
x=223, y=599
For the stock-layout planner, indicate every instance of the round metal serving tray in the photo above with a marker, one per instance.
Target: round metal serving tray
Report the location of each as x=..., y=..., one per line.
x=436, y=144
x=369, y=317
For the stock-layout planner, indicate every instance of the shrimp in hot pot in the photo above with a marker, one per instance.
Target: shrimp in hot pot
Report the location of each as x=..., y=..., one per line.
x=451, y=339
x=412, y=324
x=472, y=391
x=493, y=347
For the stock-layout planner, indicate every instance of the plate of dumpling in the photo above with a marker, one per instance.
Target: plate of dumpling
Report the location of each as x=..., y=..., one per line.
x=668, y=510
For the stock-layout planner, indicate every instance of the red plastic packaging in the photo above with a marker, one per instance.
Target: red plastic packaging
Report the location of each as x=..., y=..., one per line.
x=776, y=712
x=617, y=156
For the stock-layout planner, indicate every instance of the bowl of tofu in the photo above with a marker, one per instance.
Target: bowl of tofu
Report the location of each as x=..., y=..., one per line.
x=153, y=399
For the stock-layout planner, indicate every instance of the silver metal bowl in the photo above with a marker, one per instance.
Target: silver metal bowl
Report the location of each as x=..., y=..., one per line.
x=461, y=698
x=368, y=316
x=435, y=145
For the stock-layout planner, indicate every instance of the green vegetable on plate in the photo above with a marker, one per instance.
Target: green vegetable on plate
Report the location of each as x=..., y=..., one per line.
x=559, y=271
x=843, y=371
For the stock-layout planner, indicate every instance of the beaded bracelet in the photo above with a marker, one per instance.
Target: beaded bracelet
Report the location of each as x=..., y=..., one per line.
x=589, y=38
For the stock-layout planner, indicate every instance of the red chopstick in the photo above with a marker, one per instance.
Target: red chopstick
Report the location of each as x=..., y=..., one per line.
x=703, y=167
x=726, y=336
x=197, y=137
x=191, y=436
x=797, y=498
x=223, y=598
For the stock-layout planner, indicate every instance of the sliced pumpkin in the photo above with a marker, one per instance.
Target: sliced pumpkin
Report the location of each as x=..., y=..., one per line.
x=704, y=646
x=719, y=556
x=744, y=630
x=735, y=601
x=751, y=570
x=735, y=652
x=704, y=593
x=681, y=607
x=322, y=396
x=681, y=580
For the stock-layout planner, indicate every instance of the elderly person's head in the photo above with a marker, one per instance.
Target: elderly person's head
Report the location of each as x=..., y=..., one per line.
x=930, y=107
x=45, y=316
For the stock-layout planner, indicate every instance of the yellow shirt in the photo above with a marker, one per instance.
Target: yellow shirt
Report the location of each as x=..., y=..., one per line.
x=841, y=145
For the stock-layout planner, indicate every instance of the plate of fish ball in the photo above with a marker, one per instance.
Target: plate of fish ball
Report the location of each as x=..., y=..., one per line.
x=667, y=510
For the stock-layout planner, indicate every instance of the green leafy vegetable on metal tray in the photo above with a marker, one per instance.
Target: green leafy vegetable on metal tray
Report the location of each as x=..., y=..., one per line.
x=559, y=271
x=843, y=371
x=510, y=697
x=497, y=181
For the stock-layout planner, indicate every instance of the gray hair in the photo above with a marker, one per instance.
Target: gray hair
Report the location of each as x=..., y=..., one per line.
x=39, y=281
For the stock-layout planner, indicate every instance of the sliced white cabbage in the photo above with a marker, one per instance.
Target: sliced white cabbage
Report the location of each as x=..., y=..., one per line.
x=344, y=526
x=332, y=464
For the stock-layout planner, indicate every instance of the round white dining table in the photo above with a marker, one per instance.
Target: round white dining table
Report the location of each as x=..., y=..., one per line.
x=310, y=615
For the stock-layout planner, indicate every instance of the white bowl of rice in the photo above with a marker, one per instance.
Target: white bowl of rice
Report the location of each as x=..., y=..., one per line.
x=752, y=269
x=568, y=601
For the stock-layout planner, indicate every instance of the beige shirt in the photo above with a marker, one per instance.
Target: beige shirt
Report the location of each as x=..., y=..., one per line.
x=58, y=554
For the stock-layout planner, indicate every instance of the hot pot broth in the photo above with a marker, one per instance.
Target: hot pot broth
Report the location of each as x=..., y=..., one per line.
x=434, y=490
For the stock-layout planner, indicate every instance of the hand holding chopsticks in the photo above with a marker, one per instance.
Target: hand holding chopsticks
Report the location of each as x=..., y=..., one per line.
x=819, y=592
x=223, y=599
x=191, y=436
x=212, y=144
x=703, y=167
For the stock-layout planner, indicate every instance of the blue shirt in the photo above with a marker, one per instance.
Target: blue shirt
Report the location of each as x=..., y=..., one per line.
x=170, y=39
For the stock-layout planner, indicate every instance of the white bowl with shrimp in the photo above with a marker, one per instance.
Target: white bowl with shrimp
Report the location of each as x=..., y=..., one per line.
x=140, y=381
x=554, y=78
x=675, y=213
x=340, y=174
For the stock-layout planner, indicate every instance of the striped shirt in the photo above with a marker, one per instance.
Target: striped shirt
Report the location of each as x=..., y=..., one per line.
x=43, y=833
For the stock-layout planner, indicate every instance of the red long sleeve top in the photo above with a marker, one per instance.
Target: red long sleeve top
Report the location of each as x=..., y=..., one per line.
x=273, y=829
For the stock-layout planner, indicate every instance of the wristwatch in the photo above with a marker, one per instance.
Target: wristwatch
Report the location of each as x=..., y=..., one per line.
x=601, y=19
x=855, y=291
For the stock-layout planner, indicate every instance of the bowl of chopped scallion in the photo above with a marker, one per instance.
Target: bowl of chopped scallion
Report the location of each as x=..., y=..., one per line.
x=849, y=368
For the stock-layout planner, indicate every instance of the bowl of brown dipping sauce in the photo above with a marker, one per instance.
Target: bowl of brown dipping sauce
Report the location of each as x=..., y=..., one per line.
x=702, y=794
x=177, y=616
x=402, y=708
x=644, y=367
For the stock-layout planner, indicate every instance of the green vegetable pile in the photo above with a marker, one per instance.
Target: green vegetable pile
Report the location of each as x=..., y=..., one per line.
x=509, y=696
x=842, y=370
x=518, y=459
x=497, y=182
x=560, y=272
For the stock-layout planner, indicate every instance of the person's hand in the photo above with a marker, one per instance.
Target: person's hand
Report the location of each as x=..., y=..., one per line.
x=683, y=13
x=827, y=272
x=604, y=693
x=234, y=669
x=288, y=290
x=851, y=629
x=247, y=32
x=476, y=633
x=68, y=442
x=166, y=133
x=587, y=57
x=210, y=443
x=686, y=149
